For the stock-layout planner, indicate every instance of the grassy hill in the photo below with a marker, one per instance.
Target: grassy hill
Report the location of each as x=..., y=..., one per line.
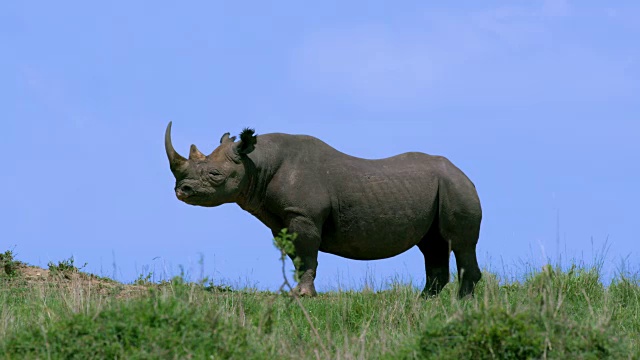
x=62, y=312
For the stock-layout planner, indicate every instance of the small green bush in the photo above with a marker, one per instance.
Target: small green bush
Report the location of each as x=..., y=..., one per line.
x=64, y=267
x=7, y=263
x=494, y=333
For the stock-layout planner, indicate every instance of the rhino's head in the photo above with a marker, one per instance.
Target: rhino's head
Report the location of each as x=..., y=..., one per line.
x=213, y=179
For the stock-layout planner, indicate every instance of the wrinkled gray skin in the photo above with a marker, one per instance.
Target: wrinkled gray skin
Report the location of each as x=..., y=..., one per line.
x=339, y=204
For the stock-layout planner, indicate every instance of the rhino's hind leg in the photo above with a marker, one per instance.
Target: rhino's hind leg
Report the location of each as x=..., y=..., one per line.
x=463, y=243
x=435, y=250
x=468, y=270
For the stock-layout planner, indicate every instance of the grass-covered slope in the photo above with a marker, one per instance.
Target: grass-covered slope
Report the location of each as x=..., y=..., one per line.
x=65, y=314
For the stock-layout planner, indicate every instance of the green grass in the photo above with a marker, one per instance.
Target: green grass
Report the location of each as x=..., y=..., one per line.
x=550, y=314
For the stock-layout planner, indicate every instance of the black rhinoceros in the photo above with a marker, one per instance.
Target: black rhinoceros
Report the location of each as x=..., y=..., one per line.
x=339, y=204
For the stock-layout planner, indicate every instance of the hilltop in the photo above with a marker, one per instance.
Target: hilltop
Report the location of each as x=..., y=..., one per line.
x=62, y=312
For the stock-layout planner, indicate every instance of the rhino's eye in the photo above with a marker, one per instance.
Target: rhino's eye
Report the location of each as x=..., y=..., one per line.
x=216, y=176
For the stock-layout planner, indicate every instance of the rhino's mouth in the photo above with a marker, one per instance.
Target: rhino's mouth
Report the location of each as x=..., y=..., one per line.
x=192, y=199
x=182, y=196
x=187, y=196
x=197, y=200
x=185, y=191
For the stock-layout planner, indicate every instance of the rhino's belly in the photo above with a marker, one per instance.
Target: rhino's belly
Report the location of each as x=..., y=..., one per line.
x=376, y=215
x=375, y=237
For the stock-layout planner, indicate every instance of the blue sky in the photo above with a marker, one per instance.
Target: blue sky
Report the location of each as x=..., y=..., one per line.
x=537, y=101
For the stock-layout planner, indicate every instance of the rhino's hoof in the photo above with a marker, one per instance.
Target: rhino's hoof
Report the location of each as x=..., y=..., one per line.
x=305, y=291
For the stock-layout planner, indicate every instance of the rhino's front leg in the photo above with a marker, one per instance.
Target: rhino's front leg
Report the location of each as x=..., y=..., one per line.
x=306, y=246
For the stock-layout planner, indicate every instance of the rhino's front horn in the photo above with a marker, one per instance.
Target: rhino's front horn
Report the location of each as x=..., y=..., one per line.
x=175, y=160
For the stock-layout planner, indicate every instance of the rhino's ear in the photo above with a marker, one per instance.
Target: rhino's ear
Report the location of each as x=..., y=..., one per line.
x=225, y=138
x=248, y=141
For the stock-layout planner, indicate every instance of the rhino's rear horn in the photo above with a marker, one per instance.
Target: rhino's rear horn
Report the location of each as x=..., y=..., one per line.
x=195, y=154
x=175, y=160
